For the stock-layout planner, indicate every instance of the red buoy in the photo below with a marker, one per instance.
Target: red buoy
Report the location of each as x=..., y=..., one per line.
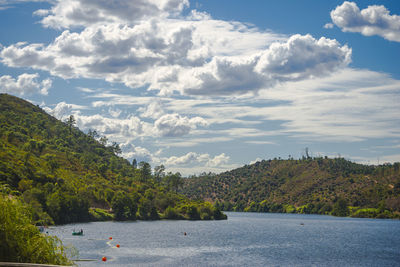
x=117, y=245
x=110, y=238
x=104, y=258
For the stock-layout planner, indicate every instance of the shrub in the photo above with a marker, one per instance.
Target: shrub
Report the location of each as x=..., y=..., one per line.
x=21, y=241
x=171, y=213
x=193, y=213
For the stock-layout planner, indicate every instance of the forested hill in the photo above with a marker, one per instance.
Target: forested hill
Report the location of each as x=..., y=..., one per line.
x=67, y=176
x=309, y=185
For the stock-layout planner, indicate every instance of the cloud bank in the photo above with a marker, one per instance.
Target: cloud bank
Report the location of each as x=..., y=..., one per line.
x=151, y=44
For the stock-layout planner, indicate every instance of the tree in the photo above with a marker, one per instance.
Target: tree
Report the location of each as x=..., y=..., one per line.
x=116, y=148
x=193, y=212
x=124, y=207
x=340, y=208
x=159, y=173
x=145, y=171
x=93, y=134
x=103, y=140
x=134, y=163
x=173, y=181
x=70, y=122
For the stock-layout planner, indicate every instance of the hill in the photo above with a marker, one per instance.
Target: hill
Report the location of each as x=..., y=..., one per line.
x=68, y=176
x=309, y=185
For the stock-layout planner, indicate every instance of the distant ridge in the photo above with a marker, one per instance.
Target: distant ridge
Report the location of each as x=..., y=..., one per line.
x=308, y=185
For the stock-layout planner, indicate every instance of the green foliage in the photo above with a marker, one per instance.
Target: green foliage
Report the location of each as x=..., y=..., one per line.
x=21, y=241
x=173, y=181
x=193, y=212
x=68, y=176
x=124, y=207
x=67, y=208
x=172, y=214
x=340, y=208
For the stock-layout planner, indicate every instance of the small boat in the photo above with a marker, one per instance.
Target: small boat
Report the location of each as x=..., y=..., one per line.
x=77, y=233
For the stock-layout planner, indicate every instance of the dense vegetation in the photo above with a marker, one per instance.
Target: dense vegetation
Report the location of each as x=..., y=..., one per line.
x=21, y=241
x=308, y=185
x=68, y=176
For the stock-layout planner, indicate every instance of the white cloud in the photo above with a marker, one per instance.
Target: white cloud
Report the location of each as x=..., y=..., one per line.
x=60, y=111
x=183, y=160
x=218, y=160
x=301, y=57
x=154, y=110
x=129, y=128
x=173, y=125
x=329, y=26
x=373, y=20
x=74, y=13
x=193, y=157
x=24, y=84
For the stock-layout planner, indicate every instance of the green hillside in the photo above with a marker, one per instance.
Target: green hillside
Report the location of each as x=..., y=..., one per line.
x=309, y=185
x=68, y=176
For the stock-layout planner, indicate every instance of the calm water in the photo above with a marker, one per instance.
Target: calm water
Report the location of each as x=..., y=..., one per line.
x=245, y=239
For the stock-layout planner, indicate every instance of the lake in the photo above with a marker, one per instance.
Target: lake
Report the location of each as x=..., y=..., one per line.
x=245, y=239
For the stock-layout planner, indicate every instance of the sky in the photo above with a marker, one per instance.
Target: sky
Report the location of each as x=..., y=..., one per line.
x=207, y=85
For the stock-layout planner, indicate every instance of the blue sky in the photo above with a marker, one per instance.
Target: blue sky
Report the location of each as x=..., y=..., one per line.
x=213, y=85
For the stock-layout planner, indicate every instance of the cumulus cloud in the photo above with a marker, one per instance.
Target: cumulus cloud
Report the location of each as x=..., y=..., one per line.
x=116, y=129
x=185, y=159
x=373, y=20
x=24, y=84
x=300, y=57
x=174, y=125
x=218, y=160
x=60, y=111
x=193, y=157
x=75, y=13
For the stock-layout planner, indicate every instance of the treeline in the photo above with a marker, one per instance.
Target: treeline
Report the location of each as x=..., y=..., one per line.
x=310, y=185
x=68, y=176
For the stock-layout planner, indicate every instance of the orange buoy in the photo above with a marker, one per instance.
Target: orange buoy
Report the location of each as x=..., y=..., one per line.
x=104, y=258
x=117, y=245
x=110, y=238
